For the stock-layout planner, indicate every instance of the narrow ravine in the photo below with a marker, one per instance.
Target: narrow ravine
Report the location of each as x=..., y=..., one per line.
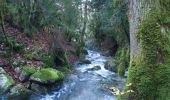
x=88, y=82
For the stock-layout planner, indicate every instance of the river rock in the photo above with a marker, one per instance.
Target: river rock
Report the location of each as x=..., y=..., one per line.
x=85, y=61
x=47, y=76
x=84, y=51
x=6, y=82
x=95, y=68
x=114, y=90
x=19, y=92
x=26, y=73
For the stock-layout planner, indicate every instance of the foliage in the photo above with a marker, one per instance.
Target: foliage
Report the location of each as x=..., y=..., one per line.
x=65, y=60
x=49, y=60
x=31, y=15
x=14, y=46
x=110, y=20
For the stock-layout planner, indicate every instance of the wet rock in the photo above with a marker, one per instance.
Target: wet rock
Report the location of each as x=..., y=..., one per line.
x=47, y=76
x=85, y=62
x=6, y=82
x=95, y=68
x=2, y=71
x=84, y=51
x=114, y=90
x=110, y=65
x=19, y=92
x=38, y=88
x=26, y=73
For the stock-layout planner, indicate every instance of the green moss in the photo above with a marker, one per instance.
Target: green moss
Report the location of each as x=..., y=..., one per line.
x=30, y=70
x=149, y=72
x=123, y=60
x=49, y=74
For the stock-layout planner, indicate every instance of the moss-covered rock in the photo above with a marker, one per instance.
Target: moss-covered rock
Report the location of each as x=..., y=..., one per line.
x=111, y=65
x=6, y=82
x=47, y=76
x=26, y=73
x=19, y=92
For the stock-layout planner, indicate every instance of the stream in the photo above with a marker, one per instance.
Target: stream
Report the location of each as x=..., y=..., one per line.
x=86, y=84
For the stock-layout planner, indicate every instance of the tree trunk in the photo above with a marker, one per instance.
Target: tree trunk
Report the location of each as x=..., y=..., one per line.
x=84, y=23
x=149, y=72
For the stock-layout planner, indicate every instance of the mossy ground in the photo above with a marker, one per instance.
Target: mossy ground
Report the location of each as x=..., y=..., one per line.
x=149, y=72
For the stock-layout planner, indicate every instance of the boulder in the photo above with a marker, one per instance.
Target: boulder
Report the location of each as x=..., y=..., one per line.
x=19, y=92
x=110, y=65
x=26, y=73
x=47, y=76
x=95, y=68
x=6, y=82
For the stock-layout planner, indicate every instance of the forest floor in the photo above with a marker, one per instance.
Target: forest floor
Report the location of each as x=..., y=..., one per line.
x=32, y=49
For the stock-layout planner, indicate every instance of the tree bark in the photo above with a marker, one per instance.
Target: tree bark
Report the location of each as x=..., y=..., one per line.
x=149, y=71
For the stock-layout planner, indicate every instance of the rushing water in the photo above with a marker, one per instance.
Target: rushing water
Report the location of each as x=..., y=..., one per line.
x=85, y=84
